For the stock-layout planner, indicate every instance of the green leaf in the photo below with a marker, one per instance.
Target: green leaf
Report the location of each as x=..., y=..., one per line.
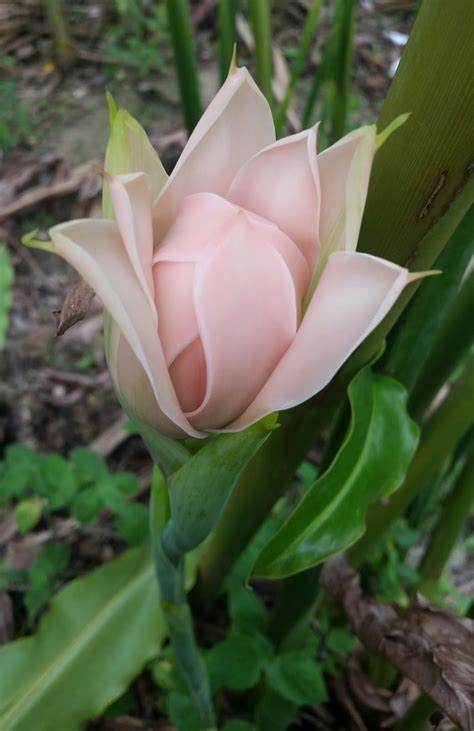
x=132, y=523
x=126, y=483
x=182, y=712
x=236, y=663
x=89, y=466
x=56, y=482
x=274, y=713
x=110, y=495
x=296, y=676
x=17, y=471
x=340, y=641
x=238, y=725
x=87, y=505
x=28, y=514
x=7, y=276
x=52, y=561
x=247, y=612
x=98, y=634
x=199, y=490
x=370, y=464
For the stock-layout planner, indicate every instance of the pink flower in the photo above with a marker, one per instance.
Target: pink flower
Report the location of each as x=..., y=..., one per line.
x=232, y=288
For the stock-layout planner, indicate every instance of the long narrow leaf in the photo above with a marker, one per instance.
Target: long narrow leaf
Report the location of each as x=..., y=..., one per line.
x=97, y=635
x=7, y=275
x=185, y=60
x=370, y=464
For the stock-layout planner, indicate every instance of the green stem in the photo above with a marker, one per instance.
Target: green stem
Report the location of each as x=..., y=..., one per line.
x=260, y=19
x=185, y=60
x=453, y=340
x=439, y=437
x=417, y=716
x=57, y=23
x=453, y=515
x=169, y=570
x=342, y=69
x=304, y=48
x=227, y=13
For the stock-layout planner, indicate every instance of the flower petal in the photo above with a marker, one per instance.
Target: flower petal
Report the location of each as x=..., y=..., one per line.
x=96, y=251
x=281, y=184
x=200, y=221
x=354, y=294
x=344, y=171
x=237, y=124
x=246, y=310
x=174, y=302
x=129, y=151
x=132, y=206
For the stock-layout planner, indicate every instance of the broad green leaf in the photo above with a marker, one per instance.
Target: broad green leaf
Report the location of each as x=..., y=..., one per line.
x=97, y=635
x=199, y=490
x=132, y=523
x=296, y=676
x=371, y=463
x=7, y=276
x=182, y=712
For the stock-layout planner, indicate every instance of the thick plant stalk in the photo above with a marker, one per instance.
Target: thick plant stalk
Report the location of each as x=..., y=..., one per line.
x=453, y=516
x=227, y=12
x=185, y=60
x=169, y=570
x=430, y=157
x=453, y=340
x=321, y=74
x=304, y=48
x=260, y=19
x=438, y=439
x=341, y=78
x=57, y=23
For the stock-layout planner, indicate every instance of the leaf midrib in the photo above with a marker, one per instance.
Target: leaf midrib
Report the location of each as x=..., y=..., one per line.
x=49, y=675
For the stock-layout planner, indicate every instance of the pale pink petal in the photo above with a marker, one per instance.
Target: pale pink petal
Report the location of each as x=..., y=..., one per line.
x=281, y=184
x=237, y=124
x=354, y=294
x=188, y=373
x=246, y=310
x=174, y=302
x=96, y=251
x=135, y=393
x=344, y=171
x=131, y=201
x=200, y=221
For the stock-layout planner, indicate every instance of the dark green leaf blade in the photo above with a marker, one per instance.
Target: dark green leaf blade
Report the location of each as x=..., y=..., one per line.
x=370, y=464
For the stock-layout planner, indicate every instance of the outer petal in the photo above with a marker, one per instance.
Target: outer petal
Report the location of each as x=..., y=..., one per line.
x=133, y=387
x=246, y=310
x=237, y=124
x=354, y=294
x=281, y=183
x=132, y=206
x=96, y=251
x=129, y=151
x=344, y=171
